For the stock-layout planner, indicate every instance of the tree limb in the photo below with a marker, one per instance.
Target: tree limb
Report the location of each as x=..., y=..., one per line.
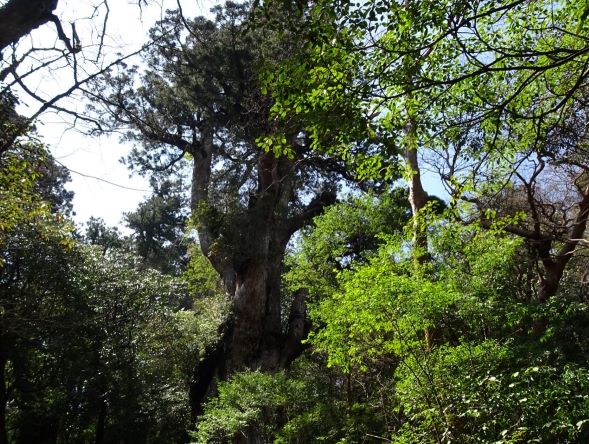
x=19, y=17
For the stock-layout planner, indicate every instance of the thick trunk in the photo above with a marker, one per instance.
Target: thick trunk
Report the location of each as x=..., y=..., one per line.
x=255, y=339
x=20, y=17
x=251, y=270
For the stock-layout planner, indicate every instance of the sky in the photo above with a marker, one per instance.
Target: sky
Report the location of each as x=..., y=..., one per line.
x=102, y=185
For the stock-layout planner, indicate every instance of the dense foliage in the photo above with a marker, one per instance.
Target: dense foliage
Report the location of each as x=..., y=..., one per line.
x=310, y=289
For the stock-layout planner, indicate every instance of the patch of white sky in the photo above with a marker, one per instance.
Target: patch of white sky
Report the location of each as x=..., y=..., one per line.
x=103, y=186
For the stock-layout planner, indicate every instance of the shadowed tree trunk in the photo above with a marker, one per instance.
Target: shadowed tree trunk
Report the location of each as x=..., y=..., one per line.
x=202, y=97
x=251, y=270
x=3, y=397
x=19, y=17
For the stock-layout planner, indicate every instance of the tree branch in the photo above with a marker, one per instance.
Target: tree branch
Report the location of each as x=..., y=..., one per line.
x=19, y=17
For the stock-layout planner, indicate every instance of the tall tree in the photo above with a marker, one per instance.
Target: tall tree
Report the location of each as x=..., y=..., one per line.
x=483, y=91
x=158, y=225
x=202, y=99
x=90, y=345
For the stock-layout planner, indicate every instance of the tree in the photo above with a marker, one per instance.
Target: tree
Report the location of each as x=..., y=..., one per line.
x=202, y=99
x=107, y=238
x=158, y=225
x=483, y=91
x=462, y=385
x=91, y=345
x=35, y=238
x=346, y=235
x=97, y=354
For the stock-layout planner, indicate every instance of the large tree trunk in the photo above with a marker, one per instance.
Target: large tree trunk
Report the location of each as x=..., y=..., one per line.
x=255, y=339
x=251, y=270
x=19, y=17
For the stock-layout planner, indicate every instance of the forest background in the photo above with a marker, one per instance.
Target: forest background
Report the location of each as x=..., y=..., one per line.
x=289, y=279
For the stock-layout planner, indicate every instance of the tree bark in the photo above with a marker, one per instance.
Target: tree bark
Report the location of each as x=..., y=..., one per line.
x=417, y=199
x=554, y=267
x=3, y=398
x=100, y=424
x=256, y=339
x=251, y=269
x=19, y=17
x=417, y=195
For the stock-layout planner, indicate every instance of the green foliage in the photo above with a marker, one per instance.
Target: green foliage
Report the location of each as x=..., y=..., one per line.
x=89, y=343
x=143, y=353
x=251, y=402
x=88, y=333
x=210, y=306
x=317, y=86
x=200, y=276
x=305, y=403
x=99, y=234
x=465, y=354
x=452, y=347
x=209, y=313
x=491, y=396
x=22, y=193
x=347, y=233
x=158, y=225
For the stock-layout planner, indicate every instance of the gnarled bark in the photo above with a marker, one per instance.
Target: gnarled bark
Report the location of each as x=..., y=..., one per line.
x=20, y=17
x=554, y=266
x=252, y=270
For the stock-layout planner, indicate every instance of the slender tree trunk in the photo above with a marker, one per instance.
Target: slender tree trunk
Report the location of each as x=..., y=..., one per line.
x=3, y=398
x=417, y=197
x=554, y=267
x=100, y=424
